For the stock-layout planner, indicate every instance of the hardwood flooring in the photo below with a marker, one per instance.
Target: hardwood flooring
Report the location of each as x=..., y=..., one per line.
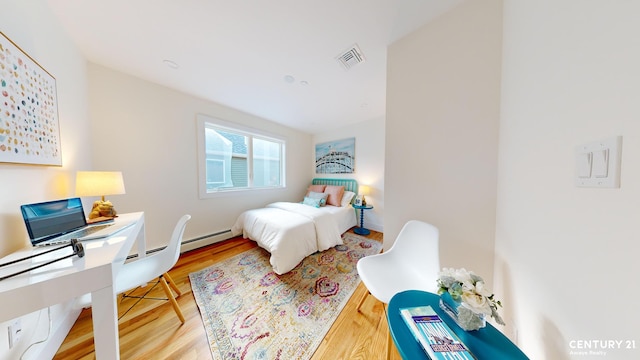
x=151, y=329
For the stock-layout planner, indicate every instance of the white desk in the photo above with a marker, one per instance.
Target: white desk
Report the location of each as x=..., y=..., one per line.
x=63, y=280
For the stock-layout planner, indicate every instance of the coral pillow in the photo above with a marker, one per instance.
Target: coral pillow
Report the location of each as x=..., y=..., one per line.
x=315, y=188
x=335, y=194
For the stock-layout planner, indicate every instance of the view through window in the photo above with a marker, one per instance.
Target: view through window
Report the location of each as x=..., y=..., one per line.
x=238, y=158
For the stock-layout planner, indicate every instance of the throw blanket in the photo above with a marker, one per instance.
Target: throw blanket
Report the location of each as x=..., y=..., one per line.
x=289, y=232
x=327, y=232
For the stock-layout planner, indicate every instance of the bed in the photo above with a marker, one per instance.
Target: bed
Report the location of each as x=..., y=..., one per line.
x=291, y=231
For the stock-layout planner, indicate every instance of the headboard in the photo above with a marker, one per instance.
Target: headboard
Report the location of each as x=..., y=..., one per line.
x=349, y=184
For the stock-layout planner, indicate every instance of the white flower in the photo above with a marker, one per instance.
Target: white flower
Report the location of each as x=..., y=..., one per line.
x=476, y=303
x=481, y=289
x=463, y=276
x=470, y=289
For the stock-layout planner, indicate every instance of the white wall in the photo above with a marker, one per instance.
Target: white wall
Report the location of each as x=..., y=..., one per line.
x=443, y=93
x=148, y=132
x=369, y=167
x=566, y=257
x=32, y=27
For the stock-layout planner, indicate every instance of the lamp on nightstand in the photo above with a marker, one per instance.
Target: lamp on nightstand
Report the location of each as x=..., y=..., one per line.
x=362, y=191
x=100, y=183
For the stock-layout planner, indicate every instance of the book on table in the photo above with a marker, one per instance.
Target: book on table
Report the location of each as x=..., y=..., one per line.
x=435, y=337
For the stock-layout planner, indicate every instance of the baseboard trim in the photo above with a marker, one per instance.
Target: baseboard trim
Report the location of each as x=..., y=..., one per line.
x=205, y=240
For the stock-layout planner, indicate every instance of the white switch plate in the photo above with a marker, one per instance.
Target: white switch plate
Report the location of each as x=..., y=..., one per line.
x=15, y=332
x=605, y=158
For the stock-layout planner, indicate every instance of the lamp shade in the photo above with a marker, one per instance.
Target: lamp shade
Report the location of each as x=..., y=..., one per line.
x=363, y=190
x=99, y=183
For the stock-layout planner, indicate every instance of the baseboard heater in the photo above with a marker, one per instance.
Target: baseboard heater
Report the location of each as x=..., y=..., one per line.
x=184, y=242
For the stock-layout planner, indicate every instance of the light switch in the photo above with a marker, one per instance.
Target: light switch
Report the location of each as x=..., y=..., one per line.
x=583, y=162
x=601, y=163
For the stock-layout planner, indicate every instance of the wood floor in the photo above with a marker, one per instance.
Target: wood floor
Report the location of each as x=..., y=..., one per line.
x=151, y=329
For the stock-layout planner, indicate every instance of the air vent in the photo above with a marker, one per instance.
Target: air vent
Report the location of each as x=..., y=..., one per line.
x=350, y=58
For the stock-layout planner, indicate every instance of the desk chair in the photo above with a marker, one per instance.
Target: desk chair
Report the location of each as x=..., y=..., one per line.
x=146, y=269
x=412, y=263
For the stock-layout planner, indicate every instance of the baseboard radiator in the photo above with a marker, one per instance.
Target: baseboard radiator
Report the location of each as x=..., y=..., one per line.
x=195, y=243
x=205, y=240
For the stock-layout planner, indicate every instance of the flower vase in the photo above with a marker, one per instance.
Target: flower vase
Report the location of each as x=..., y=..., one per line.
x=463, y=316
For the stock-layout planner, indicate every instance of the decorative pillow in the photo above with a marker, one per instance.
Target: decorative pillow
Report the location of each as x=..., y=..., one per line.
x=315, y=188
x=335, y=194
x=317, y=195
x=346, y=198
x=311, y=202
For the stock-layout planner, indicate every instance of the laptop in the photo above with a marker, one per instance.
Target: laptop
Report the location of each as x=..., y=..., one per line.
x=59, y=221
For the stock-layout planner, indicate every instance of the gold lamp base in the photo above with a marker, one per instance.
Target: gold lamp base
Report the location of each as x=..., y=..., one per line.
x=102, y=208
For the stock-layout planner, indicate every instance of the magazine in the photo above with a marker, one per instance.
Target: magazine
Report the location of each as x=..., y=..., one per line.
x=434, y=335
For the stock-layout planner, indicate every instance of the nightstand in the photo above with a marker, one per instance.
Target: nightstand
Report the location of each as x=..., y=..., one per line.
x=362, y=230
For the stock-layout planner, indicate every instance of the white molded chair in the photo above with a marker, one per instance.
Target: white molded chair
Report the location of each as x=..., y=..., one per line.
x=412, y=263
x=146, y=269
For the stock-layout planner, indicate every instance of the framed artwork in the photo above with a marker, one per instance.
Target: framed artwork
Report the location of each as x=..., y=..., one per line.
x=358, y=200
x=29, y=127
x=336, y=157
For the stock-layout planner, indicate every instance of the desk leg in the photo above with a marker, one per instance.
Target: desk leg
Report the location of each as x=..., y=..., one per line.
x=105, y=324
x=141, y=240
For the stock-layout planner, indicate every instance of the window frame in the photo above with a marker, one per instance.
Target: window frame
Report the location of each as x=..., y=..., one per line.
x=205, y=121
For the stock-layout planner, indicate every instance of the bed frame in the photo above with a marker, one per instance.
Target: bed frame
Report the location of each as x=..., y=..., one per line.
x=349, y=184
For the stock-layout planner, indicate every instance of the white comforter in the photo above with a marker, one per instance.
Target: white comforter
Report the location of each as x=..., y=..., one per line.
x=293, y=231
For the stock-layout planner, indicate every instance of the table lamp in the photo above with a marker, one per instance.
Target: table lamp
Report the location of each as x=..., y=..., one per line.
x=100, y=183
x=363, y=190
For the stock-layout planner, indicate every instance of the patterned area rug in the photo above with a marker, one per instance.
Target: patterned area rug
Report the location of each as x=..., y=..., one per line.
x=249, y=312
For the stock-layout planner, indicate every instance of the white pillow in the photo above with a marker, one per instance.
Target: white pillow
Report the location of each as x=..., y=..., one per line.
x=346, y=198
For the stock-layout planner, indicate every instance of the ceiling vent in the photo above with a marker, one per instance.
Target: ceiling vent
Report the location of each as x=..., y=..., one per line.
x=350, y=58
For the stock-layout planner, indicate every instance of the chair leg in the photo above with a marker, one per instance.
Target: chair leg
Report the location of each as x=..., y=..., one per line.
x=389, y=339
x=363, y=299
x=173, y=301
x=172, y=284
x=389, y=344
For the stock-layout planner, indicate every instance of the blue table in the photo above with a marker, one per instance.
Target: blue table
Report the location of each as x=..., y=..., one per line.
x=361, y=230
x=486, y=344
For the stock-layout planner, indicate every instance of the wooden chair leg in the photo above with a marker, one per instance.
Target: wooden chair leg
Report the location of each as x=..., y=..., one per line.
x=389, y=344
x=389, y=339
x=172, y=284
x=173, y=301
x=363, y=299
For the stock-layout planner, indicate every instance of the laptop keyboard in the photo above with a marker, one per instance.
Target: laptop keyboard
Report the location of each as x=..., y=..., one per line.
x=90, y=230
x=78, y=234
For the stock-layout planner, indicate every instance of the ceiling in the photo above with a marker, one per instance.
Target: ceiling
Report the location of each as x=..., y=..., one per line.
x=274, y=59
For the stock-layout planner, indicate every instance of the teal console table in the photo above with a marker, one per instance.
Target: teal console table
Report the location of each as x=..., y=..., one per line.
x=486, y=344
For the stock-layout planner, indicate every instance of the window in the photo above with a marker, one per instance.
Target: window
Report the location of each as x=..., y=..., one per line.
x=236, y=158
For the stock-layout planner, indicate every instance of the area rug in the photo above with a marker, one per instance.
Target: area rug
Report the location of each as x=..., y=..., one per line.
x=249, y=312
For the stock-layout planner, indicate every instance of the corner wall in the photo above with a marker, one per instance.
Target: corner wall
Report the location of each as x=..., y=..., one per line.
x=443, y=103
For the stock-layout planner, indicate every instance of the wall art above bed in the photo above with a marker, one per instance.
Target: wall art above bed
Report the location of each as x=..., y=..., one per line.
x=336, y=157
x=29, y=128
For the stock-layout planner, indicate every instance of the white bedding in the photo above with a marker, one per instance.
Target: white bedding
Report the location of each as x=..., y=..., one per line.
x=293, y=231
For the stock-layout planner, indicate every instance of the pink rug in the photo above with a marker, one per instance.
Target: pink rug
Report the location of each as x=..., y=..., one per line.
x=249, y=312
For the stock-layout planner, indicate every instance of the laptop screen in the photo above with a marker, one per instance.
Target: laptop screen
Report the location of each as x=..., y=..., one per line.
x=53, y=218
